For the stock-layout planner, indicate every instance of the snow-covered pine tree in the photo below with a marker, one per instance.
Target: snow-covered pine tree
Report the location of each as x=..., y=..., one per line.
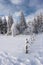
x=0, y=25
x=38, y=24
x=35, y=25
x=14, y=30
x=29, y=29
x=22, y=25
x=9, y=24
x=22, y=20
x=18, y=27
x=4, y=25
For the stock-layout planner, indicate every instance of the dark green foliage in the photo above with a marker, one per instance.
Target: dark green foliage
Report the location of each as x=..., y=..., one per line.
x=3, y=26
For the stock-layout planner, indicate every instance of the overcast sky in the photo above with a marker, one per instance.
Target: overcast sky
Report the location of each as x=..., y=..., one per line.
x=14, y=6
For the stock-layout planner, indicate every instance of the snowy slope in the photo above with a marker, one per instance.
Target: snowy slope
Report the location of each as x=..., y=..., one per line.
x=14, y=50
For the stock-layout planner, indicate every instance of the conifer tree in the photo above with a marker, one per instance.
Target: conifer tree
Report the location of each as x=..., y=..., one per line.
x=9, y=25
x=22, y=25
x=0, y=25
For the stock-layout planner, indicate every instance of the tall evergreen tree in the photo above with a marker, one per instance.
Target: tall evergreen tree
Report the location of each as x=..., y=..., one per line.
x=22, y=20
x=38, y=24
x=4, y=26
x=22, y=25
x=14, y=30
x=0, y=24
x=10, y=22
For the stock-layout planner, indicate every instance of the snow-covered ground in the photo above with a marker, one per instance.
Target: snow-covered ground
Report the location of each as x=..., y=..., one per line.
x=12, y=50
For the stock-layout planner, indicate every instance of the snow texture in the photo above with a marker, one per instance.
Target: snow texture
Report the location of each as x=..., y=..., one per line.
x=12, y=50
